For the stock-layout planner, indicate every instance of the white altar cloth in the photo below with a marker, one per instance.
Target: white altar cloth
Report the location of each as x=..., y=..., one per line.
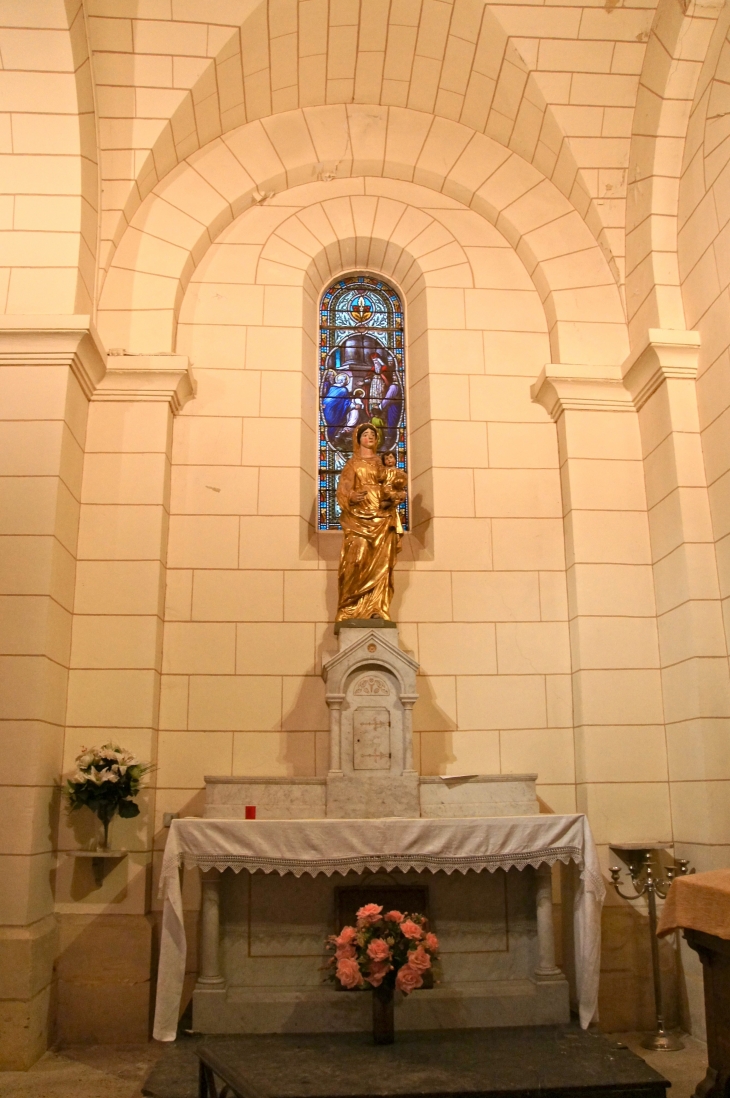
x=339, y=846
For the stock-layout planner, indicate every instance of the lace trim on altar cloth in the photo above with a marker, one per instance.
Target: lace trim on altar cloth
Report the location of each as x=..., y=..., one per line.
x=373, y=862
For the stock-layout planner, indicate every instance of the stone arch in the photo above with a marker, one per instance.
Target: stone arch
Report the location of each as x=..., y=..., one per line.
x=185, y=213
x=671, y=71
x=465, y=67
x=704, y=170
x=52, y=271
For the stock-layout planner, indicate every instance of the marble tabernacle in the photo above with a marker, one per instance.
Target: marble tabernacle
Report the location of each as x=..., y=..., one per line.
x=497, y=961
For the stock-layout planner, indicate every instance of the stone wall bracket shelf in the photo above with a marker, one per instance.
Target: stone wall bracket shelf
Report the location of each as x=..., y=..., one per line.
x=101, y=861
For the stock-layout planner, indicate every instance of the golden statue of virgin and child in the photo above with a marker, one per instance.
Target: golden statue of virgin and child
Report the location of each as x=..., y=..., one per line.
x=368, y=493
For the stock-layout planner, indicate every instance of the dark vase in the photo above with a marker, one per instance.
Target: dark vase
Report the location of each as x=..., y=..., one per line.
x=383, y=1027
x=105, y=814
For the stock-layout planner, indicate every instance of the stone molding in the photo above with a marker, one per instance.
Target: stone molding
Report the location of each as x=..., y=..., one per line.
x=164, y=377
x=70, y=340
x=666, y=354
x=561, y=388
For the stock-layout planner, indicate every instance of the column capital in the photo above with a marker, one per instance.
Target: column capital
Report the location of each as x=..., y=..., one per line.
x=562, y=388
x=67, y=340
x=665, y=354
x=161, y=377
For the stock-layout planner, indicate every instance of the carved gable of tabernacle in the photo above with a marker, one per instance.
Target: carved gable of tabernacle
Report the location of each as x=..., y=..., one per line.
x=374, y=652
x=370, y=691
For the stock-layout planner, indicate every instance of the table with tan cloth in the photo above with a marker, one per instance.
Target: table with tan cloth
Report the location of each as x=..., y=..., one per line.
x=699, y=904
x=700, y=901
x=339, y=846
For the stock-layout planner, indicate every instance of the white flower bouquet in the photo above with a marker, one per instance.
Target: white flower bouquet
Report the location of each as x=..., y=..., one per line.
x=107, y=780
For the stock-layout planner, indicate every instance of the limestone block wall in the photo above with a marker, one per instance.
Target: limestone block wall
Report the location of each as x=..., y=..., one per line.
x=188, y=182
x=48, y=368
x=113, y=688
x=703, y=771
x=251, y=599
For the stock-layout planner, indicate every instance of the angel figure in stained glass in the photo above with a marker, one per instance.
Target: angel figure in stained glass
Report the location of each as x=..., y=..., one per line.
x=357, y=409
x=392, y=404
x=336, y=398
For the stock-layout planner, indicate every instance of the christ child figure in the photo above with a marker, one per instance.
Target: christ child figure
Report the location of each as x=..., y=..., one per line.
x=394, y=487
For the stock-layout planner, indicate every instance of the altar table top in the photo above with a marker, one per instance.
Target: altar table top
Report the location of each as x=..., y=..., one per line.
x=340, y=846
x=698, y=902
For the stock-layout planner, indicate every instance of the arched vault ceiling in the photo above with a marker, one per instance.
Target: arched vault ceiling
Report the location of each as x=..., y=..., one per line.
x=555, y=84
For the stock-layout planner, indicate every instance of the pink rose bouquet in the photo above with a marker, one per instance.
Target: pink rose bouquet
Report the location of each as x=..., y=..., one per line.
x=393, y=950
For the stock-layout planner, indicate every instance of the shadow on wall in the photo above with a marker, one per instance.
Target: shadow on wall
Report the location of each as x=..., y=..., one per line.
x=626, y=992
x=626, y=997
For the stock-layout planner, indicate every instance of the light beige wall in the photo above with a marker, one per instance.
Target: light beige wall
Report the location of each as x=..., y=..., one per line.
x=281, y=254
x=557, y=87
x=48, y=368
x=482, y=605
x=703, y=770
x=485, y=158
x=671, y=68
x=50, y=364
x=49, y=151
x=113, y=687
x=184, y=214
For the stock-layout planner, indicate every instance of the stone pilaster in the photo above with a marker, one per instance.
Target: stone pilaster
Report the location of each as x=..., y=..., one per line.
x=621, y=770
x=619, y=734
x=49, y=367
x=116, y=654
x=692, y=642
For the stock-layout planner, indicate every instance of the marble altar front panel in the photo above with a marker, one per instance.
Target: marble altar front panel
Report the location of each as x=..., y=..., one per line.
x=273, y=931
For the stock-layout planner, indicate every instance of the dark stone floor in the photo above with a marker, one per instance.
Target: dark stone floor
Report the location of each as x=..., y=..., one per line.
x=525, y=1062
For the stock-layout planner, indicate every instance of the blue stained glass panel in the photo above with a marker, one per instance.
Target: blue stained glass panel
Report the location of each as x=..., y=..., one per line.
x=361, y=380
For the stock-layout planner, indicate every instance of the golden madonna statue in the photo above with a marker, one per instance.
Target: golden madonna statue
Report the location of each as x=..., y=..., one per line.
x=368, y=492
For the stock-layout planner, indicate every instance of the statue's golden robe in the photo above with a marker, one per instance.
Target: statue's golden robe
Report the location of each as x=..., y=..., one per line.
x=371, y=541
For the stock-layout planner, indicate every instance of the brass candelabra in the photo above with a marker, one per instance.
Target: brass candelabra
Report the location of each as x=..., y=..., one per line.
x=645, y=883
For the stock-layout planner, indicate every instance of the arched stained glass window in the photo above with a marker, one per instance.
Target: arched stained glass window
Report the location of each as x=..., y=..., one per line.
x=361, y=380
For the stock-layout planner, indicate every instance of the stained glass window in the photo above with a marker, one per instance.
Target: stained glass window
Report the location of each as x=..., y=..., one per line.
x=361, y=380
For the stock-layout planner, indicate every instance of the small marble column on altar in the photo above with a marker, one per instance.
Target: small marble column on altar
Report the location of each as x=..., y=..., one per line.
x=546, y=967
x=334, y=702
x=210, y=977
x=408, y=701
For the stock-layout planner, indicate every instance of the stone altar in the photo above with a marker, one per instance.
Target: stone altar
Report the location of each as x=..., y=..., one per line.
x=497, y=951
